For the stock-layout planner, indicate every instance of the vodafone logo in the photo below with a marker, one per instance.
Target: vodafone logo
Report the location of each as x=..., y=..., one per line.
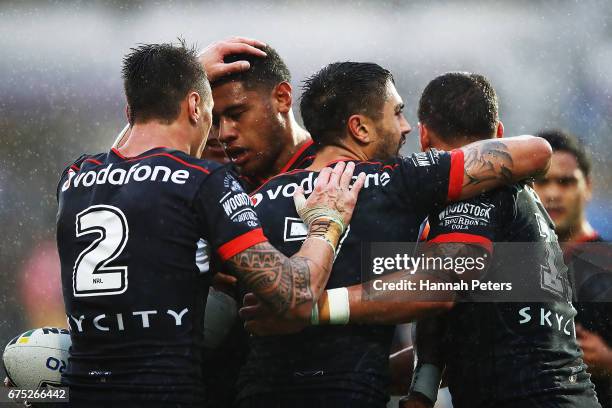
x=120, y=176
x=287, y=190
x=256, y=199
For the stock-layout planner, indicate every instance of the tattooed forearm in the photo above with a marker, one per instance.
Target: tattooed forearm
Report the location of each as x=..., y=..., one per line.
x=488, y=160
x=283, y=283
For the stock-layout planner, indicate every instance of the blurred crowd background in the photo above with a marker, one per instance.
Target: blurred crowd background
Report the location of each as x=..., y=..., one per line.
x=61, y=91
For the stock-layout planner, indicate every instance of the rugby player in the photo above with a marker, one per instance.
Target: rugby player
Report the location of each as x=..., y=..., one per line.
x=254, y=115
x=254, y=120
x=500, y=354
x=347, y=365
x=565, y=191
x=136, y=228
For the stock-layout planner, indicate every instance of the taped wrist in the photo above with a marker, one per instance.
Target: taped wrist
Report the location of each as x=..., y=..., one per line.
x=311, y=214
x=334, y=309
x=325, y=230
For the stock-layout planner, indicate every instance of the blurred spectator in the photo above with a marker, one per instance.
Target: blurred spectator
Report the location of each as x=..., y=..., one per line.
x=41, y=289
x=565, y=191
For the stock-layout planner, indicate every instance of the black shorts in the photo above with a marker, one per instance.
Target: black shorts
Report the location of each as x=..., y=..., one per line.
x=315, y=399
x=586, y=399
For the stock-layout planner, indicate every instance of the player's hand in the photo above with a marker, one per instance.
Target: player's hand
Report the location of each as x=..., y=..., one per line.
x=212, y=56
x=261, y=321
x=8, y=383
x=597, y=354
x=333, y=191
x=415, y=400
x=224, y=283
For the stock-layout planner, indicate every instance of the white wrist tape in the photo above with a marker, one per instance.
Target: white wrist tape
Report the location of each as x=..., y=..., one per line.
x=339, y=306
x=426, y=380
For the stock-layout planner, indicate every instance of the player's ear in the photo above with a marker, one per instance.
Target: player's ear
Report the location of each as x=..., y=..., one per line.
x=282, y=97
x=424, y=138
x=500, y=130
x=359, y=128
x=194, y=110
x=589, y=188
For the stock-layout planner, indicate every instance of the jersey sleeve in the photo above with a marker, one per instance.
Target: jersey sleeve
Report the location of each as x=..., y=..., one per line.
x=229, y=220
x=435, y=178
x=478, y=220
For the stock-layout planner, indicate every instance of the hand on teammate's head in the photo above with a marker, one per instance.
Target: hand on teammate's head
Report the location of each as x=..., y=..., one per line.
x=212, y=57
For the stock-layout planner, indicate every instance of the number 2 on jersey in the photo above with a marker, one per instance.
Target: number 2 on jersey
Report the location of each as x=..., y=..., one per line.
x=91, y=275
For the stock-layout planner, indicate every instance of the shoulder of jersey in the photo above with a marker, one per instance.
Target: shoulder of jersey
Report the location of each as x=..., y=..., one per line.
x=205, y=165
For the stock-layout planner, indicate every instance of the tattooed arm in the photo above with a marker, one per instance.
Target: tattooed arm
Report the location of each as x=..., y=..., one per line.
x=374, y=302
x=494, y=162
x=290, y=285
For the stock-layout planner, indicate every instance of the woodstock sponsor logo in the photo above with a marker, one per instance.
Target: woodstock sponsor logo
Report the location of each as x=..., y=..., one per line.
x=119, y=176
x=467, y=209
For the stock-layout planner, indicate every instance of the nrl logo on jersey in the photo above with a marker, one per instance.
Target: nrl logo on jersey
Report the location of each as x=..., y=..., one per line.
x=308, y=183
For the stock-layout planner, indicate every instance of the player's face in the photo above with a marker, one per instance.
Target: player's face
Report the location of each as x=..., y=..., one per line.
x=564, y=191
x=249, y=127
x=392, y=127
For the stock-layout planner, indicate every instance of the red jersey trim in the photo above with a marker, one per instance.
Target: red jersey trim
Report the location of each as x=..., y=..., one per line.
x=588, y=237
x=296, y=156
x=425, y=233
x=240, y=243
x=94, y=161
x=288, y=165
x=274, y=177
x=455, y=178
x=464, y=238
x=299, y=165
x=193, y=166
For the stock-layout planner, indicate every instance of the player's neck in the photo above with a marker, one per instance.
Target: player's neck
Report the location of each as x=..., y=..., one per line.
x=583, y=230
x=332, y=153
x=147, y=136
x=295, y=137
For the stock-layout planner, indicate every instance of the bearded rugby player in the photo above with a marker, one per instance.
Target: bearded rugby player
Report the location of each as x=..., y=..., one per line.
x=347, y=365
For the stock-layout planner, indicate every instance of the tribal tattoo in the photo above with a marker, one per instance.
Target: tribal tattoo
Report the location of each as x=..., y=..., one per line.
x=283, y=283
x=489, y=160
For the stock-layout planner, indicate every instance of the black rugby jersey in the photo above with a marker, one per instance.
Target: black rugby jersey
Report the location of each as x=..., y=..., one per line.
x=521, y=351
x=135, y=236
x=227, y=359
x=351, y=360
